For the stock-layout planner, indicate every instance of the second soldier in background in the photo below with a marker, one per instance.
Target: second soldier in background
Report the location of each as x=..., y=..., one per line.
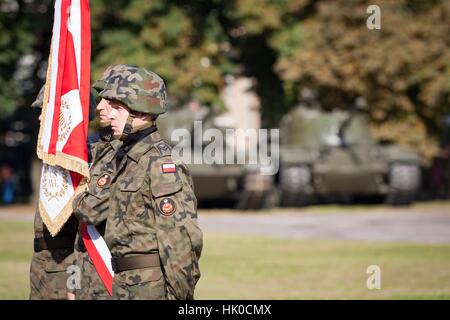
x=101, y=154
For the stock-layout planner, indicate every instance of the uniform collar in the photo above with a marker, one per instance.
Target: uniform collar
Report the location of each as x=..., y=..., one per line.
x=115, y=144
x=143, y=146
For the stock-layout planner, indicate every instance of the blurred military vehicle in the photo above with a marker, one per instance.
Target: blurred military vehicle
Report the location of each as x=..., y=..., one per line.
x=332, y=153
x=240, y=185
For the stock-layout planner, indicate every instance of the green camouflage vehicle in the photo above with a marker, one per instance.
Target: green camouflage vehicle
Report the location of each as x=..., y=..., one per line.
x=332, y=154
x=239, y=185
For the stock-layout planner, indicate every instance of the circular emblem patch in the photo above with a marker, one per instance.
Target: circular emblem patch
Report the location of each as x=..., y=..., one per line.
x=167, y=206
x=65, y=120
x=103, y=180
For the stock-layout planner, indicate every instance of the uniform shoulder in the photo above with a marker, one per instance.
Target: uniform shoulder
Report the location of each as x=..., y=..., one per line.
x=161, y=156
x=100, y=149
x=167, y=172
x=163, y=148
x=97, y=147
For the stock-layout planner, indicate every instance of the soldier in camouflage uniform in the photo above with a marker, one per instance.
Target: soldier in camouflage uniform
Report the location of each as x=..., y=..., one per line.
x=52, y=255
x=151, y=227
x=101, y=153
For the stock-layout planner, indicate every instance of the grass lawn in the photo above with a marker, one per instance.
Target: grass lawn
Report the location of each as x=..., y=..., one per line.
x=16, y=248
x=249, y=267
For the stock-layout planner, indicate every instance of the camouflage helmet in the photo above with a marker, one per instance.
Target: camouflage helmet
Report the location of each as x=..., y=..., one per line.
x=39, y=99
x=139, y=89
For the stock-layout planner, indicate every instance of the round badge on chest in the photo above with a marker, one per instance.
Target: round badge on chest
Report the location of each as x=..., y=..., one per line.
x=167, y=206
x=103, y=180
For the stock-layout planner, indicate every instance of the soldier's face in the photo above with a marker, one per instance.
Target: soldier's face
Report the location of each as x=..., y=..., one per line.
x=118, y=116
x=104, y=108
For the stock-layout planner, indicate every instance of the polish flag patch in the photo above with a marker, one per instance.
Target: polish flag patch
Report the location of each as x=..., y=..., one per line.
x=169, y=168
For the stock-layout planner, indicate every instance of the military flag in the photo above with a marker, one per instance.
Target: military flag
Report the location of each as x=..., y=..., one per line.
x=65, y=114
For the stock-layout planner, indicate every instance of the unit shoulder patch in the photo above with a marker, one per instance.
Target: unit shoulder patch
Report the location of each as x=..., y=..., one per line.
x=103, y=180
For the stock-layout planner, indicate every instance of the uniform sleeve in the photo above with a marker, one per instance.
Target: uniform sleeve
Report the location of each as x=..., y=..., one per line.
x=92, y=205
x=38, y=224
x=180, y=239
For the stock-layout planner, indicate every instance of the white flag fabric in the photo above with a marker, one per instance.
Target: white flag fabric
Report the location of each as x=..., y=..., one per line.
x=65, y=114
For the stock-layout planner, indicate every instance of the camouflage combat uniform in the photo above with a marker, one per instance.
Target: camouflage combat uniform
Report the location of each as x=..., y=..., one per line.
x=151, y=228
x=91, y=287
x=101, y=153
x=52, y=255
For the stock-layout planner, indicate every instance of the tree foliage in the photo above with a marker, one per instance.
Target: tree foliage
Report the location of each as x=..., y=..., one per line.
x=402, y=70
x=25, y=27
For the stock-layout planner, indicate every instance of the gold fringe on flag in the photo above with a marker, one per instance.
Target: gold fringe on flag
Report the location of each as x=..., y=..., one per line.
x=54, y=226
x=62, y=160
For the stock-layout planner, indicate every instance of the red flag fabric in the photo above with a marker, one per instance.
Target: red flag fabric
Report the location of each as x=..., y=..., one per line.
x=65, y=114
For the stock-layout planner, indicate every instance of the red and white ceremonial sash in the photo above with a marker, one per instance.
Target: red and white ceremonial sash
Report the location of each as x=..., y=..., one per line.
x=99, y=254
x=65, y=114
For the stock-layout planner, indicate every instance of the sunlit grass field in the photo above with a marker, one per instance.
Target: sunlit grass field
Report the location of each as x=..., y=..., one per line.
x=249, y=267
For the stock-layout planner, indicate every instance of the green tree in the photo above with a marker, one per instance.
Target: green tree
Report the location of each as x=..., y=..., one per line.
x=403, y=70
x=25, y=31
x=183, y=41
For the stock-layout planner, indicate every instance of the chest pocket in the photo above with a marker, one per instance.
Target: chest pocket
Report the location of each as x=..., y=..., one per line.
x=131, y=196
x=131, y=183
x=132, y=178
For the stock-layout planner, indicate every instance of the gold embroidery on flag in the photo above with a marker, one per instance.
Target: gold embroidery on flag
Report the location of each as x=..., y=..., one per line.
x=65, y=120
x=55, y=225
x=55, y=182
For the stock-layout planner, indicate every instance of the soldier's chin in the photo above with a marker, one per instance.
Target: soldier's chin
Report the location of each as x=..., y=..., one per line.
x=104, y=119
x=116, y=133
x=104, y=122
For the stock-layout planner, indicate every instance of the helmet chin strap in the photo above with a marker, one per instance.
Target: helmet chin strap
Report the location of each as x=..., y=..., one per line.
x=128, y=127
